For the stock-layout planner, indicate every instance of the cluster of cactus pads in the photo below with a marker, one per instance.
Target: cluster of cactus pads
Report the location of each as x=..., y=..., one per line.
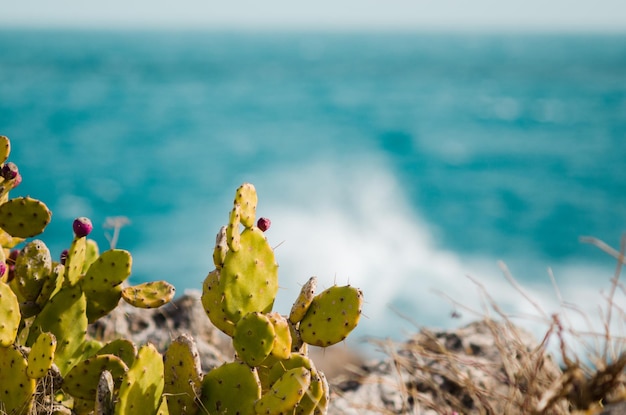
x=48, y=363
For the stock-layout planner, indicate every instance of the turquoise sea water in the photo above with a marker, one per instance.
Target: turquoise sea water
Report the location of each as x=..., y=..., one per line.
x=398, y=162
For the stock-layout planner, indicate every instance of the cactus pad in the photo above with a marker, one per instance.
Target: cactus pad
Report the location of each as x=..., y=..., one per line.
x=254, y=338
x=64, y=315
x=75, y=260
x=9, y=315
x=304, y=300
x=5, y=148
x=221, y=247
x=82, y=380
x=212, y=302
x=183, y=379
x=249, y=277
x=246, y=198
x=232, y=229
x=285, y=393
x=24, y=217
x=52, y=284
x=311, y=398
x=122, y=348
x=332, y=316
x=100, y=303
x=142, y=385
x=41, y=355
x=92, y=252
x=110, y=269
x=32, y=267
x=282, y=340
x=151, y=294
x=232, y=388
x=16, y=388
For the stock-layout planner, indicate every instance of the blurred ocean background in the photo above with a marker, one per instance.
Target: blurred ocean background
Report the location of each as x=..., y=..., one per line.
x=400, y=163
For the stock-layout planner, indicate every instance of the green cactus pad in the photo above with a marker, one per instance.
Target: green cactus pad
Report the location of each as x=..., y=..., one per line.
x=233, y=236
x=52, y=284
x=82, y=380
x=311, y=398
x=17, y=390
x=212, y=302
x=64, y=315
x=75, y=260
x=142, y=385
x=282, y=341
x=232, y=388
x=163, y=408
x=41, y=355
x=254, y=338
x=249, y=277
x=110, y=269
x=24, y=217
x=246, y=197
x=332, y=316
x=92, y=252
x=100, y=303
x=122, y=348
x=221, y=247
x=322, y=405
x=285, y=393
x=32, y=267
x=151, y=294
x=9, y=315
x=294, y=361
x=304, y=300
x=105, y=404
x=297, y=345
x=183, y=375
x=5, y=148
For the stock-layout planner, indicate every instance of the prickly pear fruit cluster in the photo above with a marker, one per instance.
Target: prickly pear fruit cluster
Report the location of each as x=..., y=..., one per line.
x=238, y=297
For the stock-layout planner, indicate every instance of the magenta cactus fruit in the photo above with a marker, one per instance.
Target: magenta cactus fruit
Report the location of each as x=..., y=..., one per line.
x=82, y=227
x=264, y=224
x=9, y=171
x=17, y=180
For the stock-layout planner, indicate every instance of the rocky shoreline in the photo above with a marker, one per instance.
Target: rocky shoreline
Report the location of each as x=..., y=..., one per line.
x=482, y=368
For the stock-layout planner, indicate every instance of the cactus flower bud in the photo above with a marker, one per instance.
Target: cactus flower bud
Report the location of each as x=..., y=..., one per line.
x=264, y=224
x=82, y=226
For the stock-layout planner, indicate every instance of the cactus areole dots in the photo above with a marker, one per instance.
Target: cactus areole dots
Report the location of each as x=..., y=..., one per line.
x=82, y=227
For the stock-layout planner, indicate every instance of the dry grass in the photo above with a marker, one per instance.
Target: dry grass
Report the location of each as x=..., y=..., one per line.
x=433, y=377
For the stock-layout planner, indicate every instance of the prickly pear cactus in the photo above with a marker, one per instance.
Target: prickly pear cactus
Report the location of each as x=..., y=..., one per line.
x=24, y=217
x=16, y=388
x=9, y=315
x=41, y=355
x=183, y=376
x=142, y=385
x=151, y=294
x=232, y=388
x=285, y=393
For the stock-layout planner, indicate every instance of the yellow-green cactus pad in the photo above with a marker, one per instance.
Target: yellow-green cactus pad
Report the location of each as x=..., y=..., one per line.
x=17, y=390
x=322, y=405
x=304, y=300
x=249, y=277
x=232, y=388
x=282, y=341
x=75, y=260
x=100, y=303
x=24, y=217
x=110, y=269
x=5, y=148
x=51, y=285
x=149, y=294
x=92, y=252
x=285, y=393
x=32, y=267
x=82, y=380
x=122, y=348
x=9, y=315
x=164, y=407
x=294, y=361
x=41, y=355
x=64, y=315
x=311, y=398
x=333, y=314
x=212, y=302
x=232, y=229
x=142, y=385
x=246, y=197
x=183, y=376
x=221, y=247
x=254, y=338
